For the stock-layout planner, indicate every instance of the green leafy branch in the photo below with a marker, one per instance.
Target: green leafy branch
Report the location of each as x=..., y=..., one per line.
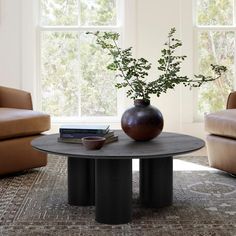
x=135, y=71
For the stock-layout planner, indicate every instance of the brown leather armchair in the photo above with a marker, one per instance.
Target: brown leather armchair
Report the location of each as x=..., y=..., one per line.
x=19, y=124
x=221, y=140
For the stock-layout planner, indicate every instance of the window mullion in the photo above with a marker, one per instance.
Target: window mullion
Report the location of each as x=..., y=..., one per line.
x=79, y=13
x=234, y=64
x=234, y=12
x=79, y=77
x=234, y=23
x=216, y=28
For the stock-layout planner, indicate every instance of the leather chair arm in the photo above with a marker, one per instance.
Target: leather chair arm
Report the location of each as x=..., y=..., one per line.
x=14, y=98
x=231, y=102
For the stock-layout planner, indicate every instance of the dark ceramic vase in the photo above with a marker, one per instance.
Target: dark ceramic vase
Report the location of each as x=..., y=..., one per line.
x=142, y=122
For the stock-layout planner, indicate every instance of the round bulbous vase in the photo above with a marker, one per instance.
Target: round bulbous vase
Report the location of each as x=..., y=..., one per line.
x=142, y=122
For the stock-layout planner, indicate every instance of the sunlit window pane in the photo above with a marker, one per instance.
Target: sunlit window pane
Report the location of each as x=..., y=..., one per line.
x=74, y=79
x=98, y=12
x=59, y=12
x=59, y=73
x=215, y=48
x=214, y=12
x=98, y=93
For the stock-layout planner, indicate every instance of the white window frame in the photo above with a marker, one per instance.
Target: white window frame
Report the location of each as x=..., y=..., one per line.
x=31, y=29
x=200, y=28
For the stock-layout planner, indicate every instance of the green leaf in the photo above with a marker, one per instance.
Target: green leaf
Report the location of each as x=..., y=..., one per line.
x=135, y=71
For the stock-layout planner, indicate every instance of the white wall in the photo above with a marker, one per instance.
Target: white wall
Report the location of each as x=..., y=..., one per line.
x=154, y=18
x=10, y=43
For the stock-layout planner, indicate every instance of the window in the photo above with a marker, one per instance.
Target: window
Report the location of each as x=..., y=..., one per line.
x=74, y=81
x=215, y=35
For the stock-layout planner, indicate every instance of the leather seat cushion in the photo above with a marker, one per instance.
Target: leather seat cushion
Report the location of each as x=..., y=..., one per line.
x=19, y=122
x=222, y=123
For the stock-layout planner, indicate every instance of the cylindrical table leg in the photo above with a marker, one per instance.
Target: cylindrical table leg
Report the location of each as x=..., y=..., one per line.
x=113, y=191
x=156, y=182
x=81, y=181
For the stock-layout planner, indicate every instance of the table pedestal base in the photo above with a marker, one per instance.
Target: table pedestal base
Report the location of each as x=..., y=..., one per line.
x=81, y=181
x=113, y=191
x=156, y=182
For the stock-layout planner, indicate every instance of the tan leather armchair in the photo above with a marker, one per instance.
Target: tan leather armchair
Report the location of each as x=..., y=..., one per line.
x=19, y=125
x=221, y=140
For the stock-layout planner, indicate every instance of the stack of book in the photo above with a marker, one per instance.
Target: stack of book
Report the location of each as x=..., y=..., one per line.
x=75, y=133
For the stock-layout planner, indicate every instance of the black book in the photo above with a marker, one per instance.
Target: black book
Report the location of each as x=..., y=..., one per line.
x=88, y=129
x=76, y=135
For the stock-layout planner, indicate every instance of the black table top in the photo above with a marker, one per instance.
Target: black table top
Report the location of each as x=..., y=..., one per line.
x=166, y=144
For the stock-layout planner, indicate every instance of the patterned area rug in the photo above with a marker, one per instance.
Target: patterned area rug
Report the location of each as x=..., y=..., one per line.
x=35, y=203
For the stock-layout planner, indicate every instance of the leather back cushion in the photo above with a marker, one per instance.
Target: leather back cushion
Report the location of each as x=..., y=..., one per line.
x=15, y=98
x=231, y=102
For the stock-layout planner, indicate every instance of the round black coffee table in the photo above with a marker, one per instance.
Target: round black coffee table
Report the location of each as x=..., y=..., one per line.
x=104, y=177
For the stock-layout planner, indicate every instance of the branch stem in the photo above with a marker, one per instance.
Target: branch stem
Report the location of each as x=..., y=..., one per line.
x=120, y=68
